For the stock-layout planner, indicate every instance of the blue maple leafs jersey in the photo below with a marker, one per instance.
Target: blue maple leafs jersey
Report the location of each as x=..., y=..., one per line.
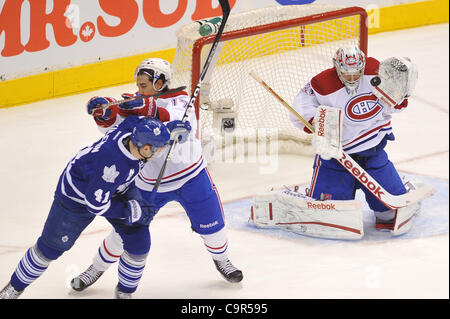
x=99, y=175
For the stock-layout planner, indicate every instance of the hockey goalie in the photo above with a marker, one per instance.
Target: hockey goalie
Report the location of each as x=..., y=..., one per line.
x=349, y=108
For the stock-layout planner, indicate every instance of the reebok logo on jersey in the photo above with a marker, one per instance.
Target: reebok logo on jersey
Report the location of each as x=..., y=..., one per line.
x=110, y=174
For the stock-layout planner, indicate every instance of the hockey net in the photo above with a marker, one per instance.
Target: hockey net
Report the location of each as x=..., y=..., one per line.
x=286, y=46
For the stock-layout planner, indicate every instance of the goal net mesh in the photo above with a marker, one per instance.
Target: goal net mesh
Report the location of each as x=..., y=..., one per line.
x=286, y=46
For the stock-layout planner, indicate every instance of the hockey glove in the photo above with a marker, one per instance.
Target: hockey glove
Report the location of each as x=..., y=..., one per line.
x=179, y=130
x=142, y=107
x=138, y=212
x=94, y=107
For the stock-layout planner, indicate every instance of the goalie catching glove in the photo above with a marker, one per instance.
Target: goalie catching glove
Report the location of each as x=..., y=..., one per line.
x=396, y=80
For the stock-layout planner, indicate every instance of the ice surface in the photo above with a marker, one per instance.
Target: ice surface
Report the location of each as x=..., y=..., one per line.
x=38, y=139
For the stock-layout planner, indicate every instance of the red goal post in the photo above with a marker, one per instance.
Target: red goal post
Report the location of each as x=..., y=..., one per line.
x=285, y=45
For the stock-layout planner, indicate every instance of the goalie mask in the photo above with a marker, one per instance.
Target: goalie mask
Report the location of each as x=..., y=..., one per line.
x=156, y=69
x=349, y=64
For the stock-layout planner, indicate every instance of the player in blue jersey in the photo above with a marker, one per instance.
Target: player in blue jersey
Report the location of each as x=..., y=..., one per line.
x=98, y=182
x=186, y=179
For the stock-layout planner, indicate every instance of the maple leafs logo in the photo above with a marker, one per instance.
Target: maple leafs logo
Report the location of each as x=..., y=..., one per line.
x=110, y=174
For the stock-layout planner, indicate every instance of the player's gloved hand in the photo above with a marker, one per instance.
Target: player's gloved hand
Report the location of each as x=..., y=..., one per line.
x=138, y=212
x=94, y=107
x=142, y=107
x=179, y=130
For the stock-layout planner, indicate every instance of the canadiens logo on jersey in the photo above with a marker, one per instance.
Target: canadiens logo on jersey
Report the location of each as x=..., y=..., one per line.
x=363, y=107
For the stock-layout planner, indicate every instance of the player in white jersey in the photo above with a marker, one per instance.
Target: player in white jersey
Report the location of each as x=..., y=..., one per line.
x=98, y=182
x=366, y=129
x=186, y=178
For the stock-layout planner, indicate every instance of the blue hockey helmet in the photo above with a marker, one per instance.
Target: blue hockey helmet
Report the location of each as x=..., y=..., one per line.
x=150, y=131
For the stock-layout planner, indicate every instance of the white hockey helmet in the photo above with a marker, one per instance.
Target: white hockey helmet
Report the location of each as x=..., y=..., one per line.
x=349, y=63
x=156, y=69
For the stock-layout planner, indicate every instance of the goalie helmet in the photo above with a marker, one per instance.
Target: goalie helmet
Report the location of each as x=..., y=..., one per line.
x=349, y=64
x=150, y=131
x=155, y=69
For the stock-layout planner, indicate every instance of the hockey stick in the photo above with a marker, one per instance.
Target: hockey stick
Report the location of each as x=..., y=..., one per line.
x=174, y=139
x=140, y=97
x=389, y=200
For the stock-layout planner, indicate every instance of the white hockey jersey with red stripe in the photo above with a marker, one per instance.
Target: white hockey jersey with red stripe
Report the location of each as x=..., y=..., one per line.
x=187, y=160
x=366, y=119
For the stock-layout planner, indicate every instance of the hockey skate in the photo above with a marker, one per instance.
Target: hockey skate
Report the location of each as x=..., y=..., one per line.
x=228, y=271
x=86, y=279
x=122, y=295
x=9, y=292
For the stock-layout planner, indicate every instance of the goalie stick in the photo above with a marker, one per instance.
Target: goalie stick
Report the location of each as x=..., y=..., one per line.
x=140, y=97
x=389, y=200
x=173, y=140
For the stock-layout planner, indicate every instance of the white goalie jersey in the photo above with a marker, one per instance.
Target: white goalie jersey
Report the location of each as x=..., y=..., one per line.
x=366, y=119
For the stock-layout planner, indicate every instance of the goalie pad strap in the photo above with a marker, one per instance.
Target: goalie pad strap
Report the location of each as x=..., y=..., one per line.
x=404, y=215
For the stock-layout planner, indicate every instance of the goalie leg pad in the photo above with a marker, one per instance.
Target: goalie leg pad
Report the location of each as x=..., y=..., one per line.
x=403, y=219
x=333, y=219
x=399, y=221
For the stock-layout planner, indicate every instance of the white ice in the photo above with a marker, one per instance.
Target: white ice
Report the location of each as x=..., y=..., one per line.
x=38, y=139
